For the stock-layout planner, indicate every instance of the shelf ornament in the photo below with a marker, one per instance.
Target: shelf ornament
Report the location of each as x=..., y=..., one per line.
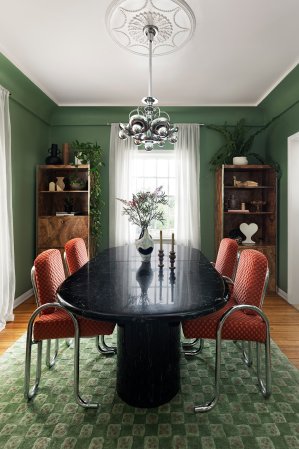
x=248, y=230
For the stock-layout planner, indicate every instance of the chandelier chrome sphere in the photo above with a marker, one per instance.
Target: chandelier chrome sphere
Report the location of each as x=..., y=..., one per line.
x=147, y=124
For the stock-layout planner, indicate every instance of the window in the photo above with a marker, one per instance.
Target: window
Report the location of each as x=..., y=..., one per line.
x=177, y=170
x=152, y=170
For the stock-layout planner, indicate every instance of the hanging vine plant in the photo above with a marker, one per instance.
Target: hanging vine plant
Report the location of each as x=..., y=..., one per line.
x=92, y=154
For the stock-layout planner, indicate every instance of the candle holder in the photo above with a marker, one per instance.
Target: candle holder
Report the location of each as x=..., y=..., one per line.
x=172, y=258
x=172, y=277
x=172, y=284
x=161, y=257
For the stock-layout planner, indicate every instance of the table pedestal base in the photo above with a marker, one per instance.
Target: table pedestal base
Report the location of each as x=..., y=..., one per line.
x=148, y=370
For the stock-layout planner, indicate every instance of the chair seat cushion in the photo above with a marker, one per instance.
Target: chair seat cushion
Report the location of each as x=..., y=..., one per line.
x=239, y=326
x=60, y=325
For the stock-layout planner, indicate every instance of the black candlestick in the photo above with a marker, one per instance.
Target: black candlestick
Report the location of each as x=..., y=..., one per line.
x=161, y=257
x=172, y=257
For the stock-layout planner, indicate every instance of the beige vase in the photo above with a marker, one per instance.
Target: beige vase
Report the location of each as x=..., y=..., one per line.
x=60, y=184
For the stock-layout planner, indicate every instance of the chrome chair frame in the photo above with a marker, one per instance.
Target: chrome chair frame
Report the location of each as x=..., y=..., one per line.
x=50, y=362
x=266, y=386
x=187, y=345
x=100, y=343
x=29, y=393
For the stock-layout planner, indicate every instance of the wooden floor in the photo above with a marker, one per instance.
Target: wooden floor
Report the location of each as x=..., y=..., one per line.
x=284, y=320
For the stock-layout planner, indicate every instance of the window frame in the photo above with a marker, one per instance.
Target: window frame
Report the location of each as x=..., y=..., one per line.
x=160, y=154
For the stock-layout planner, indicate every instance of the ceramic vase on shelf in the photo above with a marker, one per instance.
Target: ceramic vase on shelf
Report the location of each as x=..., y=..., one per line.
x=145, y=245
x=240, y=160
x=60, y=185
x=54, y=159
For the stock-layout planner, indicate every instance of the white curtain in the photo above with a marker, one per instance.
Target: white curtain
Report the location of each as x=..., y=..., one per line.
x=121, y=165
x=7, y=273
x=187, y=214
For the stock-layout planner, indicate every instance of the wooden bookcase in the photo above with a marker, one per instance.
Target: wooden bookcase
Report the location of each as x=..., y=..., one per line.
x=54, y=231
x=264, y=215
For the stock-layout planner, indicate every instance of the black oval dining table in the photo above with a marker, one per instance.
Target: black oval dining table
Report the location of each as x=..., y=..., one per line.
x=148, y=304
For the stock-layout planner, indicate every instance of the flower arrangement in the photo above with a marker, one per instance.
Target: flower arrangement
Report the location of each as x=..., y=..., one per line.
x=144, y=207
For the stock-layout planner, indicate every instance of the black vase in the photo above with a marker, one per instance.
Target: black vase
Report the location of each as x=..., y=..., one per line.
x=144, y=277
x=53, y=159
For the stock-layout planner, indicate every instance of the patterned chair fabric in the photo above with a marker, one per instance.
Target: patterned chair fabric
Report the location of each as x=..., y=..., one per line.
x=75, y=257
x=227, y=257
x=250, y=278
x=76, y=254
x=52, y=324
x=49, y=274
x=232, y=323
x=60, y=325
x=248, y=289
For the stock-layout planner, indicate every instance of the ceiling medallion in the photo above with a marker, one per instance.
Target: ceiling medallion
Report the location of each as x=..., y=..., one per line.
x=126, y=19
x=150, y=30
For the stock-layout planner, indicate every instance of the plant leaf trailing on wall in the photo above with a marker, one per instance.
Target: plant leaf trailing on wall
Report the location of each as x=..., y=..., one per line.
x=91, y=153
x=238, y=141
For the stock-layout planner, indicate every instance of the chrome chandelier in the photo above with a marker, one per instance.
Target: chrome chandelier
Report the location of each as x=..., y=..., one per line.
x=147, y=124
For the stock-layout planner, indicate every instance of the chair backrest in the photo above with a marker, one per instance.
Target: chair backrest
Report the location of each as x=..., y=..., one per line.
x=76, y=254
x=48, y=276
x=227, y=257
x=251, y=278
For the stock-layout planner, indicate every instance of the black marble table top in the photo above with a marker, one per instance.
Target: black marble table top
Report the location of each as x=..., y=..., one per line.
x=117, y=286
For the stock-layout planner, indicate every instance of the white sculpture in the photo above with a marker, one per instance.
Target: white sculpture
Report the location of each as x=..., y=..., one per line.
x=248, y=230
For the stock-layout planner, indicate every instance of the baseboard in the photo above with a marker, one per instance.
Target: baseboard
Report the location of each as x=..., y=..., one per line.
x=284, y=295
x=281, y=293
x=20, y=299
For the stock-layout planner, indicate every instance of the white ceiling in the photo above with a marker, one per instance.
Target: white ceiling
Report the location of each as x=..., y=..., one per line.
x=240, y=50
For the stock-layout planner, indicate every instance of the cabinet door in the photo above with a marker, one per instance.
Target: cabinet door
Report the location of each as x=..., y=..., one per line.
x=54, y=232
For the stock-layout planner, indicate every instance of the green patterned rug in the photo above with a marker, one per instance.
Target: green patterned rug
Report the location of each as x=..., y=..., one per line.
x=241, y=420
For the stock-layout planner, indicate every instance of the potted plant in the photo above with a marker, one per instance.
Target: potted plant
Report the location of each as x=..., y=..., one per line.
x=91, y=153
x=77, y=183
x=238, y=142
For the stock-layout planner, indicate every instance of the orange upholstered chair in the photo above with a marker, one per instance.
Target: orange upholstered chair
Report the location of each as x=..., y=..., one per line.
x=225, y=264
x=241, y=319
x=53, y=321
x=227, y=258
x=75, y=256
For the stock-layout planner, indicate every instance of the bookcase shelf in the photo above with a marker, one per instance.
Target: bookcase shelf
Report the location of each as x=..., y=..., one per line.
x=264, y=215
x=53, y=231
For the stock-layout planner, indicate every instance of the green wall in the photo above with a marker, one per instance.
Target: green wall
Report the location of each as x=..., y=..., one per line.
x=30, y=114
x=90, y=124
x=281, y=98
x=37, y=122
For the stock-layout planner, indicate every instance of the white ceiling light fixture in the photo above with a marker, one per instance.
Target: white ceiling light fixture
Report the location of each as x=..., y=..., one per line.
x=150, y=30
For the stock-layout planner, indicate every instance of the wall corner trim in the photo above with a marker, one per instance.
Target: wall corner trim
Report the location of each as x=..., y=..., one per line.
x=22, y=298
x=283, y=294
